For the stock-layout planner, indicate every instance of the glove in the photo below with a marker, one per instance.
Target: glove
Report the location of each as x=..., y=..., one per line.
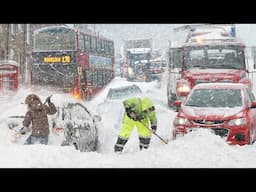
x=153, y=128
x=23, y=131
x=48, y=99
x=131, y=114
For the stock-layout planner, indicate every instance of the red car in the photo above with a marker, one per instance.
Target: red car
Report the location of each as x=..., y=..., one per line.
x=226, y=109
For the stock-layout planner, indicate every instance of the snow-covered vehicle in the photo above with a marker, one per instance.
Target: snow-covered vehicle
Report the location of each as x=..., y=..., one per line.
x=80, y=126
x=125, y=91
x=156, y=69
x=208, y=54
x=226, y=109
x=73, y=125
x=114, y=99
x=137, y=56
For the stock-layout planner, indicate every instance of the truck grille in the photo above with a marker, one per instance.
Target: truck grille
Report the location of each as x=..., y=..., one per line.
x=208, y=81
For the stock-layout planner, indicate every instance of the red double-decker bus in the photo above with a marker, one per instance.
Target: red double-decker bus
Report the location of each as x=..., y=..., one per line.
x=9, y=77
x=67, y=59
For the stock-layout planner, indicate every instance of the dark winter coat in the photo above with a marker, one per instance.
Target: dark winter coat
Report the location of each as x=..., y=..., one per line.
x=37, y=115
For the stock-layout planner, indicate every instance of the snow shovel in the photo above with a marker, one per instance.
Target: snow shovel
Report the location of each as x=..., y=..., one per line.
x=165, y=141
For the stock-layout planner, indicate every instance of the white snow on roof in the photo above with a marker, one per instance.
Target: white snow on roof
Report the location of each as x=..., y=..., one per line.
x=12, y=62
x=139, y=50
x=210, y=34
x=221, y=85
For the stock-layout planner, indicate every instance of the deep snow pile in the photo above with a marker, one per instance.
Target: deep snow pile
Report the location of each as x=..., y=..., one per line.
x=199, y=149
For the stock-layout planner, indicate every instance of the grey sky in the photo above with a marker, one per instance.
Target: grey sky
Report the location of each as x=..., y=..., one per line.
x=160, y=33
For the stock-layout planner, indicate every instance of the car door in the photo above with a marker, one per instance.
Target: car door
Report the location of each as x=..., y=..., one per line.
x=252, y=111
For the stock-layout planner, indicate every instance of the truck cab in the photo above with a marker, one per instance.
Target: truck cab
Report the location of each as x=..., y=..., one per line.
x=138, y=62
x=137, y=55
x=208, y=55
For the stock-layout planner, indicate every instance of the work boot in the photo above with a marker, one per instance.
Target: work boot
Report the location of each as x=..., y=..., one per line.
x=120, y=144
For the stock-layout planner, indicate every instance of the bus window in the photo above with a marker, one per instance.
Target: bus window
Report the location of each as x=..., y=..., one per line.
x=102, y=51
x=95, y=77
x=93, y=45
x=106, y=48
x=87, y=43
x=100, y=78
x=111, y=48
x=98, y=46
x=107, y=76
x=81, y=43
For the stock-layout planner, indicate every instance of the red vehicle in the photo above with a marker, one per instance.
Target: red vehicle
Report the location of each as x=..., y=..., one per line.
x=227, y=109
x=73, y=61
x=210, y=54
x=156, y=69
x=9, y=77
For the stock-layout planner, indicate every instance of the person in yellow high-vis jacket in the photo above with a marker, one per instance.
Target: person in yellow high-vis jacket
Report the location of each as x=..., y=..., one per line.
x=139, y=113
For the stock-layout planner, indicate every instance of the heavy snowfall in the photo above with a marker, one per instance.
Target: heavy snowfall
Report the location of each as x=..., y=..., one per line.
x=199, y=149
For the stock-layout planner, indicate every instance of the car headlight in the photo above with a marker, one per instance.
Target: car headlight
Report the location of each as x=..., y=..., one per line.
x=237, y=122
x=181, y=121
x=130, y=71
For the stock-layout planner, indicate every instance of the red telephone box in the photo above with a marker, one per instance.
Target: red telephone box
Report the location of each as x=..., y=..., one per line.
x=9, y=77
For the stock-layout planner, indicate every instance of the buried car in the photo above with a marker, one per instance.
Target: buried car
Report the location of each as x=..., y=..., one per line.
x=122, y=92
x=113, y=106
x=226, y=109
x=73, y=125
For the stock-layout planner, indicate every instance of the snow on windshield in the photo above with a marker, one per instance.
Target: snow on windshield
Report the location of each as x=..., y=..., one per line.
x=215, y=98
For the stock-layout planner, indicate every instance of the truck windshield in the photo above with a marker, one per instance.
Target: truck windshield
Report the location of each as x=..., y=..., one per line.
x=139, y=58
x=217, y=57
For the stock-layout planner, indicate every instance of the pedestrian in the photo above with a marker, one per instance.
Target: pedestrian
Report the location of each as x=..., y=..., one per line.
x=37, y=116
x=139, y=113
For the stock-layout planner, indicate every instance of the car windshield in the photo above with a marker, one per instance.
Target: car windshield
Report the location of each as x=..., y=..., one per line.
x=215, y=98
x=118, y=93
x=217, y=57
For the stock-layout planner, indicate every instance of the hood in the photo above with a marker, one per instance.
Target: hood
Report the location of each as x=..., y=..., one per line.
x=210, y=113
x=214, y=75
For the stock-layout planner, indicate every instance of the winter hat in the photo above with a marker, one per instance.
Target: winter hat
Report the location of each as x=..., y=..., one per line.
x=31, y=98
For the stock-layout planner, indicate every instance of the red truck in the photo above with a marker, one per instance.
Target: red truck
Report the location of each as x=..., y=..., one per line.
x=209, y=53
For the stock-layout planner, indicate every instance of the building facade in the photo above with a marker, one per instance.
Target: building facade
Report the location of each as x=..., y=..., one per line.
x=16, y=42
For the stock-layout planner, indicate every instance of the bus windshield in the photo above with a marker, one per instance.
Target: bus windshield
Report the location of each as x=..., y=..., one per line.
x=217, y=57
x=54, y=39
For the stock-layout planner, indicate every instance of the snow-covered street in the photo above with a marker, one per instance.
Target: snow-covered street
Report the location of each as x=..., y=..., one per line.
x=199, y=149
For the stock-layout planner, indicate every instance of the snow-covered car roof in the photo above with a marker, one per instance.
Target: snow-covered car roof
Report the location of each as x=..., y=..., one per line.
x=220, y=85
x=123, y=92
